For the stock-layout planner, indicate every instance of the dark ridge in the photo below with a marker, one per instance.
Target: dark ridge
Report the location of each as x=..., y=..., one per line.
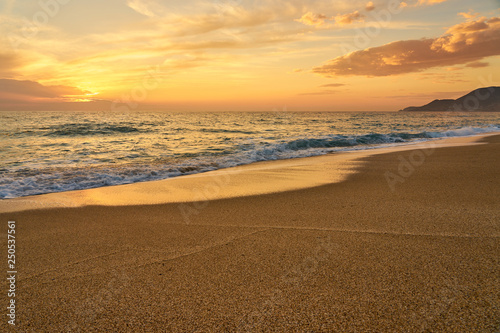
x=479, y=100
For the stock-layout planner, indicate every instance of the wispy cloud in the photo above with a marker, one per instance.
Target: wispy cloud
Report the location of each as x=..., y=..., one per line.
x=430, y=96
x=217, y=43
x=417, y=3
x=469, y=15
x=8, y=6
x=452, y=77
x=477, y=64
x=312, y=19
x=146, y=7
x=319, y=93
x=325, y=91
x=429, y=2
x=349, y=18
x=333, y=85
x=339, y=20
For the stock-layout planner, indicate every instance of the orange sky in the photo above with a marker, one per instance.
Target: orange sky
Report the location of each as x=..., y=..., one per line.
x=244, y=55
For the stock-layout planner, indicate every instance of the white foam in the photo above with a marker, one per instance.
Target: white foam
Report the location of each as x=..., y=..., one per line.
x=49, y=180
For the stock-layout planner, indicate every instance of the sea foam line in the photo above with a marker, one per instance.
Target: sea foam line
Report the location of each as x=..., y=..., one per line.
x=49, y=180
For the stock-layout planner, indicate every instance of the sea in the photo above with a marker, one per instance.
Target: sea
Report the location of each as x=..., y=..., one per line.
x=45, y=152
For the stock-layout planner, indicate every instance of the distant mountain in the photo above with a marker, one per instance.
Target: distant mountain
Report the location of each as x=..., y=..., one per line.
x=482, y=99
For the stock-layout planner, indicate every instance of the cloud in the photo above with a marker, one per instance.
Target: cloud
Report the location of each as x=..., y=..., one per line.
x=146, y=8
x=15, y=89
x=469, y=35
x=16, y=105
x=416, y=3
x=477, y=64
x=429, y=2
x=8, y=63
x=324, y=92
x=468, y=15
x=312, y=19
x=430, y=96
x=317, y=20
x=198, y=24
x=445, y=78
x=333, y=85
x=463, y=43
x=31, y=95
x=9, y=4
x=349, y=18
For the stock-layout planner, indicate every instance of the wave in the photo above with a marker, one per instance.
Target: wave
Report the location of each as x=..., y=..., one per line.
x=88, y=130
x=215, y=130
x=33, y=181
x=336, y=141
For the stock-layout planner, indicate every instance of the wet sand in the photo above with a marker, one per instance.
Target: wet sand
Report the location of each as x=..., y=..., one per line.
x=246, y=180
x=410, y=242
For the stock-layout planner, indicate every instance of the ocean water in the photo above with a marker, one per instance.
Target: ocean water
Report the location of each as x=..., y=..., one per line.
x=44, y=152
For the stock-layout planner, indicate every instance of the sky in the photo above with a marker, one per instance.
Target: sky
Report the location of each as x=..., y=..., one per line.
x=244, y=55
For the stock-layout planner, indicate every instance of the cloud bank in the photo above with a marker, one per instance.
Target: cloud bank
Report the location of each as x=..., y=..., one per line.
x=30, y=95
x=32, y=89
x=463, y=43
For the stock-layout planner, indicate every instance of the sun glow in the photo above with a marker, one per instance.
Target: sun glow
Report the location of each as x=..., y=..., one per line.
x=246, y=56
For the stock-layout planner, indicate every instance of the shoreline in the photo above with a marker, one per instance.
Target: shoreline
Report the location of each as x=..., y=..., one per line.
x=257, y=178
x=348, y=256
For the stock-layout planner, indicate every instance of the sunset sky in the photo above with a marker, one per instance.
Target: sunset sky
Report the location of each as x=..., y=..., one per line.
x=244, y=55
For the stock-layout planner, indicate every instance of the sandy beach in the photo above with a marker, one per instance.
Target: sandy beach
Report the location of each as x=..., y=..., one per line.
x=250, y=166
x=399, y=241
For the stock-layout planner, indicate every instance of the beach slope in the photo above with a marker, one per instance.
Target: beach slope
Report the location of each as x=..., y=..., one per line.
x=411, y=242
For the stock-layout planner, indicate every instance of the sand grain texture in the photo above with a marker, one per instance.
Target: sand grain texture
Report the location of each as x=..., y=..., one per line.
x=347, y=257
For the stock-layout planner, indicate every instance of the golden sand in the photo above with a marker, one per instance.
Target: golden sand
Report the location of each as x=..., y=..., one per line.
x=396, y=247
